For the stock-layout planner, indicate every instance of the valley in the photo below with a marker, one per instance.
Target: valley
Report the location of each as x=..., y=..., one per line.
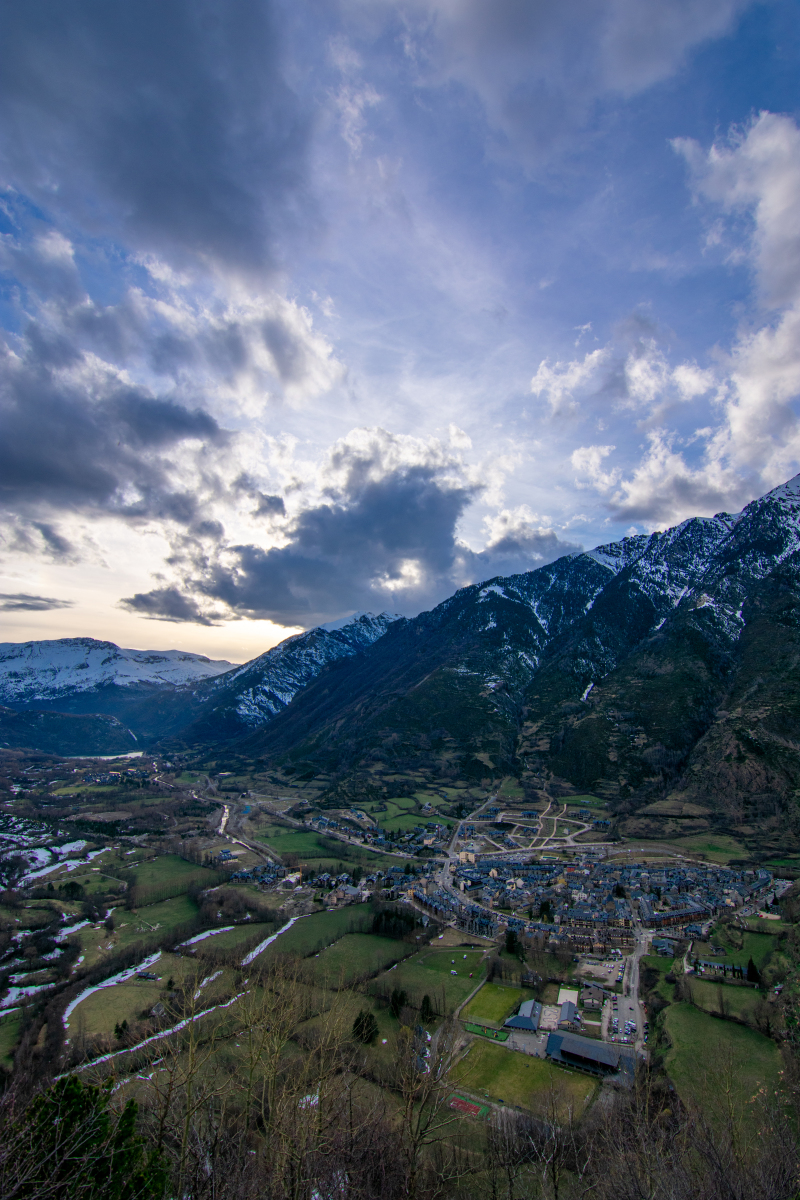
x=530, y=852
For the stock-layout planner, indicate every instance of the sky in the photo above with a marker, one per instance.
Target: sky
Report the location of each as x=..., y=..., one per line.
x=310, y=308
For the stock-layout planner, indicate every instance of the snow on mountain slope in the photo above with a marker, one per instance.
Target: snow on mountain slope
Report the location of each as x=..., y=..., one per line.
x=252, y=694
x=48, y=670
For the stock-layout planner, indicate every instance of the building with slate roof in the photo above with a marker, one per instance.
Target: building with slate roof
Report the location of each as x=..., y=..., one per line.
x=598, y=1058
x=528, y=1017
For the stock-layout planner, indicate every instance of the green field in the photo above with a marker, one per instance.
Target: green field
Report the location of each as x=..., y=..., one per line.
x=311, y=934
x=736, y=1001
x=169, y=870
x=757, y=946
x=702, y=1045
x=103, y=1009
x=717, y=847
x=249, y=931
x=9, y=1036
x=429, y=973
x=153, y=918
x=494, y=1003
x=508, y=1077
x=355, y=956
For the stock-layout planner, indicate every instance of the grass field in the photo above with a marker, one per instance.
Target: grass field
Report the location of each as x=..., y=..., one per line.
x=357, y=955
x=494, y=1003
x=169, y=870
x=506, y=1076
x=234, y=937
x=103, y=1009
x=311, y=934
x=737, y=1001
x=717, y=847
x=702, y=1044
x=429, y=973
x=757, y=946
x=9, y=1036
x=166, y=915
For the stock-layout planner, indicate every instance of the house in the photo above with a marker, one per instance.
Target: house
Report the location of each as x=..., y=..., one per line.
x=528, y=1017
x=569, y=1017
x=592, y=996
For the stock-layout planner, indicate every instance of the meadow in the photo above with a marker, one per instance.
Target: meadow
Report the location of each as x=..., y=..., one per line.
x=494, y=1003
x=508, y=1077
x=702, y=1046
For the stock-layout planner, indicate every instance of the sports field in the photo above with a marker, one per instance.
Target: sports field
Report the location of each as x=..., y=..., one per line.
x=508, y=1077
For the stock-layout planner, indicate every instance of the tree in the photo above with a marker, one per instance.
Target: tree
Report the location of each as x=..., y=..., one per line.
x=70, y=1142
x=365, y=1027
x=398, y=1001
x=426, y=1010
x=512, y=941
x=753, y=973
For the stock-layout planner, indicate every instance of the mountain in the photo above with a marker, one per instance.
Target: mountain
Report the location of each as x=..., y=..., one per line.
x=251, y=695
x=157, y=694
x=659, y=672
x=64, y=733
x=33, y=672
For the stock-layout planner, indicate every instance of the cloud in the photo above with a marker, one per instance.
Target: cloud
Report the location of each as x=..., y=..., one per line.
x=756, y=171
x=167, y=604
x=539, y=68
x=382, y=532
x=23, y=602
x=169, y=127
x=77, y=436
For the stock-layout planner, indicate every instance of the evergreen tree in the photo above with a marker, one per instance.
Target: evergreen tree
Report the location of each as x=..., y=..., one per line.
x=365, y=1027
x=753, y=973
x=426, y=1011
x=397, y=1001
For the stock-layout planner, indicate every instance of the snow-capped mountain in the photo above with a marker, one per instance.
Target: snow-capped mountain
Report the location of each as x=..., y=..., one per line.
x=33, y=672
x=252, y=694
x=659, y=670
x=156, y=694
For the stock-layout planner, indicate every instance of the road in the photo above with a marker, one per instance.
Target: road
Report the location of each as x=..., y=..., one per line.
x=629, y=1003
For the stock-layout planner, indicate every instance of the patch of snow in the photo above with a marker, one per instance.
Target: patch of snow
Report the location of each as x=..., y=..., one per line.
x=200, y=937
x=268, y=941
x=586, y=693
x=16, y=993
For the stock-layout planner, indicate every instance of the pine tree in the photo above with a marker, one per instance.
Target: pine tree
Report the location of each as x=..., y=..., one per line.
x=753, y=973
x=365, y=1027
x=426, y=1010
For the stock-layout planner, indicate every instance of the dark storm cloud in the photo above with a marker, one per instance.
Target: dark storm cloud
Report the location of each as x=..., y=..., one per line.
x=22, y=602
x=169, y=125
x=166, y=604
x=387, y=538
x=74, y=437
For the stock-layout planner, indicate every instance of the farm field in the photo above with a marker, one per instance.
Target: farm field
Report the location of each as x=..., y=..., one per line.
x=508, y=1077
x=698, y=1038
x=249, y=931
x=715, y=847
x=109, y=1006
x=169, y=870
x=356, y=955
x=429, y=973
x=494, y=1003
x=311, y=934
